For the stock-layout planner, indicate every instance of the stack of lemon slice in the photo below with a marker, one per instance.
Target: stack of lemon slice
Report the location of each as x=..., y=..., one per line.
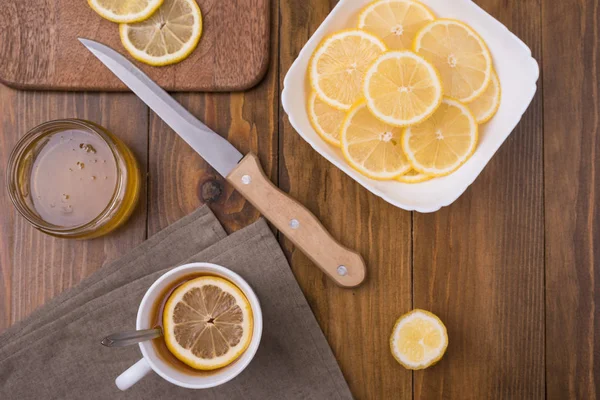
x=403, y=93
x=156, y=32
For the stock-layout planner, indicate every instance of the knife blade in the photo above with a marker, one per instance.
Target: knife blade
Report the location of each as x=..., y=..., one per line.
x=296, y=222
x=218, y=152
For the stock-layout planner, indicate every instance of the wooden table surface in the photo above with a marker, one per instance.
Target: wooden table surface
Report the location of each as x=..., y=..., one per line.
x=512, y=268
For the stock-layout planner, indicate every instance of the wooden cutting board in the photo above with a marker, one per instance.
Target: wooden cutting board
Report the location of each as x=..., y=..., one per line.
x=39, y=47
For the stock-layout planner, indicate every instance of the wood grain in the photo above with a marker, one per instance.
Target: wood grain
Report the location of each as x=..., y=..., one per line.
x=357, y=322
x=479, y=264
x=39, y=47
x=180, y=180
x=571, y=78
x=35, y=267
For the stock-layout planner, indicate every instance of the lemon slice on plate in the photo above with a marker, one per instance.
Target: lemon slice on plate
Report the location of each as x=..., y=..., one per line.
x=419, y=339
x=207, y=323
x=443, y=142
x=396, y=22
x=485, y=106
x=402, y=88
x=371, y=146
x=413, y=176
x=168, y=37
x=337, y=68
x=125, y=11
x=460, y=55
x=326, y=120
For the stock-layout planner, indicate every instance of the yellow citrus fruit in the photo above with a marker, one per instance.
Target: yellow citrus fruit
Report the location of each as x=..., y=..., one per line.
x=443, y=142
x=207, y=323
x=401, y=88
x=413, y=176
x=460, y=55
x=419, y=339
x=125, y=11
x=396, y=22
x=485, y=106
x=326, y=120
x=371, y=146
x=338, y=66
x=168, y=37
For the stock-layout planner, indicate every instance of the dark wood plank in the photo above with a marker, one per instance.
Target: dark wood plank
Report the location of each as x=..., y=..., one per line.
x=233, y=53
x=479, y=264
x=357, y=322
x=571, y=35
x=35, y=267
x=180, y=180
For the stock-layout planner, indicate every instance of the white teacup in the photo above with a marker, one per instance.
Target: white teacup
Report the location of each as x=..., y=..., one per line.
x=152, y=361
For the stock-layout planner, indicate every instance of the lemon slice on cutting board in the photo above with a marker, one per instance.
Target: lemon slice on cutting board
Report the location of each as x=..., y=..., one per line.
x=401, y=88
x=207, y=322
x=125, y=11
x=168, y=36
x=413, y=176
x=459, y=54
x=443, y=142
x=326, y=120
x=371, y=146
x=485, y=106
x=419, y=339
x=337, y=67
x=396, y=22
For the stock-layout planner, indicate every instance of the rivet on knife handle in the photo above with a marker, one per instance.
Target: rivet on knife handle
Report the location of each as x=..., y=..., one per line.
x=297, y=223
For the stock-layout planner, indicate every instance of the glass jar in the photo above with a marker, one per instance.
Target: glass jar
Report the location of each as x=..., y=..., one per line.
x=31, y=171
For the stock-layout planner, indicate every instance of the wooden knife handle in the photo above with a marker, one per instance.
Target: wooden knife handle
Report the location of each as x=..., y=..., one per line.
x=344, y=266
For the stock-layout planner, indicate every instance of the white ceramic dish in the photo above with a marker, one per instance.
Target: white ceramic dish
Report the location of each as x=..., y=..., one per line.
x=518, y=73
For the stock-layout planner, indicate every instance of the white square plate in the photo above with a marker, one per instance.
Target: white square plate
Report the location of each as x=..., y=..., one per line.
x=518, y=73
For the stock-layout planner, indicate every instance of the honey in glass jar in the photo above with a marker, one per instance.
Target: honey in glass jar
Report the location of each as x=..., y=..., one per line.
x=73, y=179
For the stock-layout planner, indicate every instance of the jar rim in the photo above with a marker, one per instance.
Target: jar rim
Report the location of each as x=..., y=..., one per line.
x=22, y=148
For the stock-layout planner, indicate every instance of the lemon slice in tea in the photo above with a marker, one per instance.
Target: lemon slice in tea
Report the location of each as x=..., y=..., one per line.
x=207, y=323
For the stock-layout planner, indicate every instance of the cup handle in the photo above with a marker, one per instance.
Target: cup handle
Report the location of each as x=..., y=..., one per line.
x=133, y=374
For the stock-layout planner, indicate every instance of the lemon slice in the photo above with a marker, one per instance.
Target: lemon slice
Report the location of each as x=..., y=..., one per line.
x=419, y=339
x=460, y=55
x=207, y=323
x=326, y=120
x=168, y=37
x=413, y=176
x=338, y=66
x=485, y=106
x=402, y=88
x=396, y=22
x=125, y=11
x=371, y=146
x=443, y=142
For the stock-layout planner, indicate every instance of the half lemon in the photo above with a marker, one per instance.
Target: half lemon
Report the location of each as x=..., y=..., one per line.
x=419, y=339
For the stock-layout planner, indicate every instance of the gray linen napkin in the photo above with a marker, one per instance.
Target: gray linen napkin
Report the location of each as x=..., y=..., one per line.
x=55, y=353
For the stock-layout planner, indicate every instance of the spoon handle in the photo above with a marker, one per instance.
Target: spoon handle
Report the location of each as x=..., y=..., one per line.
x=132, y=337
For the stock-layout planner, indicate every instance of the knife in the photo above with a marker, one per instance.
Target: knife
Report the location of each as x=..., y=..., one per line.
x=344, y=266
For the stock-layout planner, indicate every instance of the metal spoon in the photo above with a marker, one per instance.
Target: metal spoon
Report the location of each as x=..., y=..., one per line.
x=123, y=339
